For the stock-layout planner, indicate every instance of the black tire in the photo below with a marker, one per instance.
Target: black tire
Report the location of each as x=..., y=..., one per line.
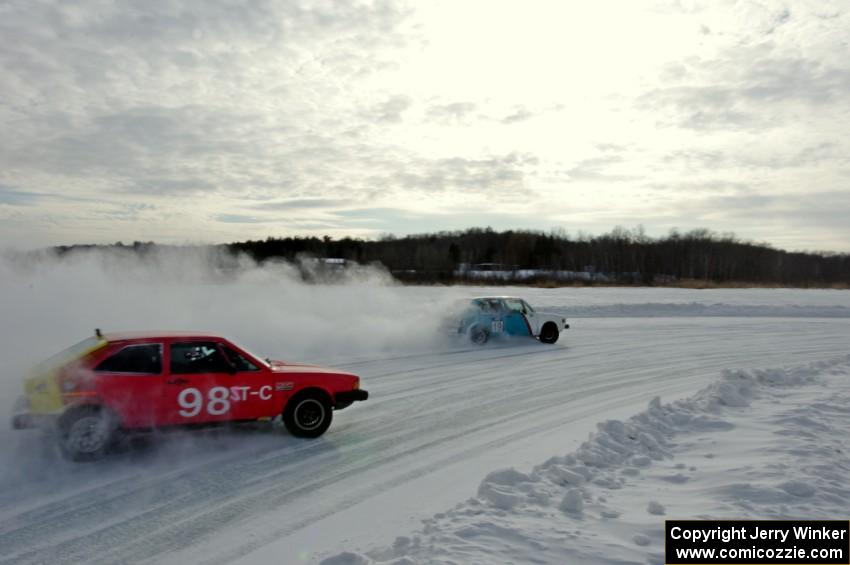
x=86, y=433
x=478, y=335
x=308, y=414
x=549, y=333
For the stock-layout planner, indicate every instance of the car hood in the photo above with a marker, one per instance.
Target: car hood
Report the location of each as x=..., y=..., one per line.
x=286, y=367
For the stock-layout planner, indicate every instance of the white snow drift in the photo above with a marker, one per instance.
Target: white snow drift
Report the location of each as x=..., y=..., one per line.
x=763, y=444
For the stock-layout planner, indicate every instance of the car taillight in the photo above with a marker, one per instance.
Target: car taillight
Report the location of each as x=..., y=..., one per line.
x=356, y=385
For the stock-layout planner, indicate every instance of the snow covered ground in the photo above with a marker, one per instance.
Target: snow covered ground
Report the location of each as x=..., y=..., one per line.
x=462, y=454
x=764, y=444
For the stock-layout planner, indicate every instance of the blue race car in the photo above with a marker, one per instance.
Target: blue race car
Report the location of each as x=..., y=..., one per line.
x=484, y=317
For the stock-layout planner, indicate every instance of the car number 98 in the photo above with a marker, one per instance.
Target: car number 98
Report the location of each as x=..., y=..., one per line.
x=191, y=400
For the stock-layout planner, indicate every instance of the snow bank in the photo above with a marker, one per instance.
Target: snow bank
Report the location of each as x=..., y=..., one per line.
x=650, y=302
x=606, y=501
x=660, y=309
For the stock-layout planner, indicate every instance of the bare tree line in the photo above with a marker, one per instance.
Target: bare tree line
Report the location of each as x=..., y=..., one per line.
x=624, y=256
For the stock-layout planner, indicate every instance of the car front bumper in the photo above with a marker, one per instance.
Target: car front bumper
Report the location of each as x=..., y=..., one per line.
x=22, y=422
x=24, y=418
x=347, y=398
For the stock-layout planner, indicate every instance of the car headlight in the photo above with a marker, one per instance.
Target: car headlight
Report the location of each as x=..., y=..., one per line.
x=22, y=404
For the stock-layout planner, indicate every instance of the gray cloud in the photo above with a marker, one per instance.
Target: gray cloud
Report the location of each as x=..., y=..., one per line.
x=695, y=160
x=163, y=186
x=123, y=212
x=462, y=112
x=450, y=113
x=399, y=220
x=817, y=216
x=302, y=203
x=520, y=115
x=747, y=88
x=701, y=187
x=595, y=170
x=502, y=177
x=389, y=111
x=239, y=219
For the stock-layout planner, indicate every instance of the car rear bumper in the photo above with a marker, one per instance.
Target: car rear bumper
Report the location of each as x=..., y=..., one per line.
x=347, y=398
x=26, y=421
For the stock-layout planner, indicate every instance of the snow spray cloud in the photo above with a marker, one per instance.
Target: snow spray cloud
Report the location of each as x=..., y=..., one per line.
x=51, y=302
x=48, y=303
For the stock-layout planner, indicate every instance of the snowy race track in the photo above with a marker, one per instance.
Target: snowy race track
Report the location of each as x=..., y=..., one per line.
x=436, y=423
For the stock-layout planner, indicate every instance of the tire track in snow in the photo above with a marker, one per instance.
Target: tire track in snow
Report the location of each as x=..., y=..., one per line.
x=423, y=406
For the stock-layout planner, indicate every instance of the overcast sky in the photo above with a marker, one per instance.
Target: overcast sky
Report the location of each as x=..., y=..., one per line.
x=212, y=121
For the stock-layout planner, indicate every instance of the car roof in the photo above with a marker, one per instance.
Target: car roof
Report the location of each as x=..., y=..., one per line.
x=142, y=335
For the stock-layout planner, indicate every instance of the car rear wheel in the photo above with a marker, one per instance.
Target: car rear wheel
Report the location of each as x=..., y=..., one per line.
x=308, y=414
x=549, y=333
x=478, y=335
x=86, y=433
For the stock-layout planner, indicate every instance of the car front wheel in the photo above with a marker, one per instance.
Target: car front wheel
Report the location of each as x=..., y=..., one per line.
x=549, y=333
x=86, y=433
x=308, y=414
x=478, y=335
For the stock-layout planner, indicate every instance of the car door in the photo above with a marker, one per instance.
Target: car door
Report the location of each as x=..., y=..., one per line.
x=515, y=321
x=531, y=317
x=196, y=388
x=254, y=391
x=130, y=380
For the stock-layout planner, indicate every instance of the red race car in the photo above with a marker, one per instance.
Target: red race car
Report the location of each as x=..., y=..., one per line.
x=110, y=383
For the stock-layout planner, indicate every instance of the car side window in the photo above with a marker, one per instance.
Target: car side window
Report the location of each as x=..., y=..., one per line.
x=198, y=357
x=143, y=359
x=239, y=361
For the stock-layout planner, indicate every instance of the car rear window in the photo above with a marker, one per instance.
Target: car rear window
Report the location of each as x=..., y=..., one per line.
x=76, y=351
x=142, y=358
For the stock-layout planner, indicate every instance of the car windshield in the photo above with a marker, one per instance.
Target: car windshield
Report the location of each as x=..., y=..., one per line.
x=252, y=354
x=490, y=305
x=514, y=304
